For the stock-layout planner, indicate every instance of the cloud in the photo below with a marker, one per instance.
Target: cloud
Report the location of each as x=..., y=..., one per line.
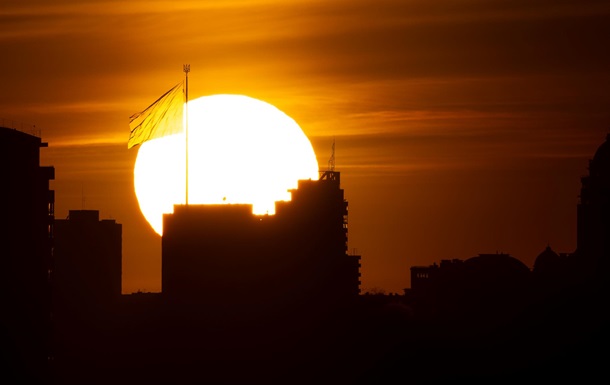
x=338, y=68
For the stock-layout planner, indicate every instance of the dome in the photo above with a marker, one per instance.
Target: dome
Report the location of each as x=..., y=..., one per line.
x=502, y=264
x=600, y=164
x=496, y=272
x=603, y=151
x=547, y=260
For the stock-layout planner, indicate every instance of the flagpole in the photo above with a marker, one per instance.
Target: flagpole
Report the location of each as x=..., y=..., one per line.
x=187, y=68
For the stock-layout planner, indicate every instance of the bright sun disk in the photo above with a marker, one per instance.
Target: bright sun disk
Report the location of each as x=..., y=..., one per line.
x=240, y=149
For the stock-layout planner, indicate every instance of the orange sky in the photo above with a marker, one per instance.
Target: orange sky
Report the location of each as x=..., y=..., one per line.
x=461, y=127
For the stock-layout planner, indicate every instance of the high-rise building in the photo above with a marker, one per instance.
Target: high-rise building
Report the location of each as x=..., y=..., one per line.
x=25, y=258
x=593, y=217
x=215, y=254
x=88, y=260
x=86, y=285
x=261, y=293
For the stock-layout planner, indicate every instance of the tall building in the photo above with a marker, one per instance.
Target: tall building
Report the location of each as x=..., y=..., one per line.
x=86, y=284
x=586, y=269
x=216, y=254
x=25, y=258
x=317, y=219
x=88, y=259
x=262, y=293
x=593, y=218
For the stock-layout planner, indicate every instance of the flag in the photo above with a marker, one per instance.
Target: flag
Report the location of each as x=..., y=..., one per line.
x=162, y=118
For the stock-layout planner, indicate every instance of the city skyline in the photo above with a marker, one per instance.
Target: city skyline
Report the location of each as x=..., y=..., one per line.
x=445, y=117
x=250, y=299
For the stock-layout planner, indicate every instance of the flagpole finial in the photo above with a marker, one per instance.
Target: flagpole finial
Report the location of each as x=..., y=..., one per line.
x=186, y=68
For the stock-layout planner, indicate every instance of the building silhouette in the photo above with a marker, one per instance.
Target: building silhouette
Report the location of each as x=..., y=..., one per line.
x=258, y=289
x=588, y=266
x=86, y=285
x=269, y=299
x=488, y=283
x=550, y=323
x=26, y=258
x=592, y=254
x=552, y=272
x=88, y=259
x=224, y=253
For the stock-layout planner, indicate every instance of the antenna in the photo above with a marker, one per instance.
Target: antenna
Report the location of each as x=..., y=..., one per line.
x=331, y=161
x=82, y=194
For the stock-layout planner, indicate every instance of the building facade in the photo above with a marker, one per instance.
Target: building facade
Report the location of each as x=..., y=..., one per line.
x=26, y=256
x=86, y=285
x=88, y=259
x=592, y=256
x=225, y=254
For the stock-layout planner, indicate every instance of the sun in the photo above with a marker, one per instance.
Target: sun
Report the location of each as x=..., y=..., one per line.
x=240, y=150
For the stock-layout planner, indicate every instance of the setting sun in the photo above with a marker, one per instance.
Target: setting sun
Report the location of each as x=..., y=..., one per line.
x=240, y=150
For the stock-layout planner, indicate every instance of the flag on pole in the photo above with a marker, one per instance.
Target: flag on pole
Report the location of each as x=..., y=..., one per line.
x=162, y=118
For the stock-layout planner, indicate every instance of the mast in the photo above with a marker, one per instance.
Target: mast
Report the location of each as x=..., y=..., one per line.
x=331, y=161
x=186, y=68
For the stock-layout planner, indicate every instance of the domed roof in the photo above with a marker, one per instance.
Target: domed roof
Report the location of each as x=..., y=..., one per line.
x=500, y=263
x=603, y=151
x=496, y=272
x=601, y=160
x=548, y=259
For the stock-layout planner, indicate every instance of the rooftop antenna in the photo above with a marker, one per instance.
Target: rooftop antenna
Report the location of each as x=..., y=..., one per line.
x=82, y=194
x=331, y=161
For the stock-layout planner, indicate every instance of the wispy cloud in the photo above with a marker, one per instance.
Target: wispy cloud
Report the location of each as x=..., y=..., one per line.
x=339, y=68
